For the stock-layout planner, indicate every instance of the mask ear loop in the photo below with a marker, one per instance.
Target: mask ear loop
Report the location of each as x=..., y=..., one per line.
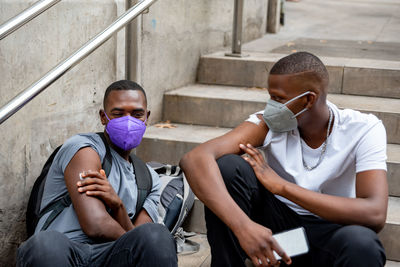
x=295, y=98
x=106, y=116
x=305, y=109
x=145, y=119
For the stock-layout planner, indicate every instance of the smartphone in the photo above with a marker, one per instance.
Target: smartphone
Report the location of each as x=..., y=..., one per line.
x=293, y=242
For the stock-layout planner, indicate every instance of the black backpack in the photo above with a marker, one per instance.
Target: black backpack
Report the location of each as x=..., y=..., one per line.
x=33, y=214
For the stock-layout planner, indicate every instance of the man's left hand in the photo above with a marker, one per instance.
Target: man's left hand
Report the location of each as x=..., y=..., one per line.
x=265, y=174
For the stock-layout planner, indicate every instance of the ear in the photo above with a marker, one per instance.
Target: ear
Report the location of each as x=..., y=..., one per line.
x=103, y=118
x=148, y=115
x=311, y=99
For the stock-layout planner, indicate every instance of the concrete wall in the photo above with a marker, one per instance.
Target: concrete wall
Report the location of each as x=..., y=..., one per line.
x=173, y=36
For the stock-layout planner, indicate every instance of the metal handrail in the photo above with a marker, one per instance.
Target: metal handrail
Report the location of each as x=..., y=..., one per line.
x=237, y=29
x=25, y=16
x=36, y=88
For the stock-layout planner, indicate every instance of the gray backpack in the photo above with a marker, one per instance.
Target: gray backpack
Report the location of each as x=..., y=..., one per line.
x=175, y=203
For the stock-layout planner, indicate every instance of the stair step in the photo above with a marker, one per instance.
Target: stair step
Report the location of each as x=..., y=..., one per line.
x=392, y=264
x=169, y=145
x=198, y=259
x=347, y=75
x=228, y=106
x=389, y=235
x=213, y=105
x=393, y=169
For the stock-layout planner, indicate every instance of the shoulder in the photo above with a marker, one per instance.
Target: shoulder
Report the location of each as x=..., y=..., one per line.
x=354, y=121
x=84, y=138
x=75, y=143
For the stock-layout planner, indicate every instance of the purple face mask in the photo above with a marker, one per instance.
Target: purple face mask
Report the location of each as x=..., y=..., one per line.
x=125, y=132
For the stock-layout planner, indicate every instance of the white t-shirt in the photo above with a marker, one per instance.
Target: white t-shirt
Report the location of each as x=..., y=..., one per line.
x=357, y=143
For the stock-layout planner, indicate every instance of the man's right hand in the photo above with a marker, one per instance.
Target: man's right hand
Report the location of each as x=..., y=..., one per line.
x=258, y=243
x=95, y=184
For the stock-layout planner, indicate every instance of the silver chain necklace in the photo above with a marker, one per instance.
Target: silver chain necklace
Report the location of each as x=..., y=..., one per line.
x=321, y=157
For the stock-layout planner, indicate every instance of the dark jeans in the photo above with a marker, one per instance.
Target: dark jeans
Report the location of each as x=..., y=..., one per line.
x=147, y=245
x=330, y=244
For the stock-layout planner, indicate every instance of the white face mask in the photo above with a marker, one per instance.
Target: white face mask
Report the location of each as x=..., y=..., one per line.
x=279, y=118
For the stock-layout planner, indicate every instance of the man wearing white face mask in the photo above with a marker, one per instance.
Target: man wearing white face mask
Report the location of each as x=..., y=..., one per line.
x=323, y=169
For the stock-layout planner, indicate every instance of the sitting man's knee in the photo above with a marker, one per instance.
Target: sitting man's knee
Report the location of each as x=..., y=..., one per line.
x=41, y=248
x=230, y=164
x=358, y=236
x=360, y=243
x=237, y=174
x=43, y=241
x=156, y=239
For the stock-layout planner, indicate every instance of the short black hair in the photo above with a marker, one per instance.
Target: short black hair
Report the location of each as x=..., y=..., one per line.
x=123, y=85
x=301, y=62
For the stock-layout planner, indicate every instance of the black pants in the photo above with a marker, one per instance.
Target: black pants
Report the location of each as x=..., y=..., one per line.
x=147, y=245
x=330, y=244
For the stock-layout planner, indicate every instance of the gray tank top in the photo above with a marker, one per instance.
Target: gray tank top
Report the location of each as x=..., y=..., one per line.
x=121, y=178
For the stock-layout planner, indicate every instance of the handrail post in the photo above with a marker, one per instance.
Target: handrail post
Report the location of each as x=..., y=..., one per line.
x=237, y=30
x=133, y=46
x=25, y=16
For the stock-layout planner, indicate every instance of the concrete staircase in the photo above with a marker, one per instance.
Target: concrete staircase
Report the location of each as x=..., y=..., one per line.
x=229, y=89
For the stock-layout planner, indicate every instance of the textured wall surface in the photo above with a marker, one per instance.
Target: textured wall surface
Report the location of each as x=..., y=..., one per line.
x=173, y=36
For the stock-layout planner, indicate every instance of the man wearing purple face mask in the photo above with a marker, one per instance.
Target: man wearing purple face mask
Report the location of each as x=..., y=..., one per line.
x=102, y=226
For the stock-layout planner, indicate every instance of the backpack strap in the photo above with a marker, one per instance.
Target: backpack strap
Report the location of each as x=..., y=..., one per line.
x=107, y=161
x=144, y=181
x=56, y=207
x=65, y=200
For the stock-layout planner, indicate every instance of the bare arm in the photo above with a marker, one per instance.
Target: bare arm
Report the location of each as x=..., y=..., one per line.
x=368, y=208
x=205, y=179
x=91, y=211
x=142, y=218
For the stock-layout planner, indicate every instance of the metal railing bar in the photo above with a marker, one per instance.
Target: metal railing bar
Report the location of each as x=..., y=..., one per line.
x=36, y=88
x=237, y=29
x=25, y=16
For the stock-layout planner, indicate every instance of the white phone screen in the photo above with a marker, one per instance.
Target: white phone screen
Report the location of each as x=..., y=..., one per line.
x=293, y=242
